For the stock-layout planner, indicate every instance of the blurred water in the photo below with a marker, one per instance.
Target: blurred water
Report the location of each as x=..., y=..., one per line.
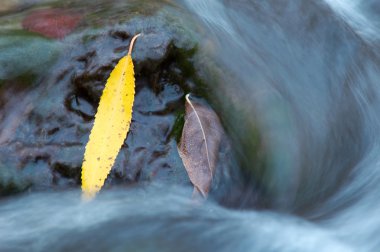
x=307, y=72
x=150, y=220
x=305, y=76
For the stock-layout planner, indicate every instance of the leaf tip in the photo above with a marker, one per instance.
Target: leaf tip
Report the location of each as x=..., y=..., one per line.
x=88, y=195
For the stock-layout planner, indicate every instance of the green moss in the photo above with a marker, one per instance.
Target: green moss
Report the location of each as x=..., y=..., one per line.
x=11, y=181
x=25, y=55
x=176, y=131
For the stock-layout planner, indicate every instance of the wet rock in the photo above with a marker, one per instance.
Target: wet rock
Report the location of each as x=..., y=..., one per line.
x=44, y=128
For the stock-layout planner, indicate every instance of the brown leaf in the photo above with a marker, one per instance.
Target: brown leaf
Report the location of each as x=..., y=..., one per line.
x=199, y=145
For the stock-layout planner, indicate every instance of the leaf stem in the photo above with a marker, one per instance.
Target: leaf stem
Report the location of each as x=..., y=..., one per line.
x=132, y=42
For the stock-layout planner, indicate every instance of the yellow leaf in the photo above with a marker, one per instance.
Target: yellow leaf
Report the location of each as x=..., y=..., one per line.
x=111, y=125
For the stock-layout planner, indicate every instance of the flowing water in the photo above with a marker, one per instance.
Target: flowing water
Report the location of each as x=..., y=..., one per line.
x=296, y=86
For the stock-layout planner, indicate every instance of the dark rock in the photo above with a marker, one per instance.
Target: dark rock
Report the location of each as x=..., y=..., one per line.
x=44, y=127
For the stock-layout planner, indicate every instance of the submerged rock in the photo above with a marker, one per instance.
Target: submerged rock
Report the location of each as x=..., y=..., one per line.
x=52, y=23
